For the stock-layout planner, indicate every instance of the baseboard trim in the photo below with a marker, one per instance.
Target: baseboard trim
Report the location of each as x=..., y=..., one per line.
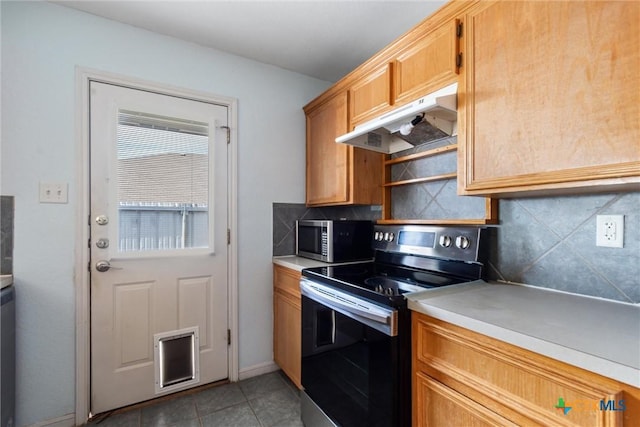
x=255, y=370
x=68, y=420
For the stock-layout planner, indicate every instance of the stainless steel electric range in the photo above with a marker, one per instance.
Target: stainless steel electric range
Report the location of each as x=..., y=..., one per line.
x=356, y=327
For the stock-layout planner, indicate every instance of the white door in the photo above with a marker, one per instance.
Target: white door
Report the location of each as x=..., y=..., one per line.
x=158, y=244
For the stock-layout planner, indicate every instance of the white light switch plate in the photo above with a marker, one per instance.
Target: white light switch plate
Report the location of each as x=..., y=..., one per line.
x=54, y=192
x=610, y=231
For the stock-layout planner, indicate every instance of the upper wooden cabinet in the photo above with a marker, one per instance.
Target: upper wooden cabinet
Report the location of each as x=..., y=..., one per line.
x=425, y=61
x=428, y=63
x=338, y=174
x=370, y=95
x=549, y=100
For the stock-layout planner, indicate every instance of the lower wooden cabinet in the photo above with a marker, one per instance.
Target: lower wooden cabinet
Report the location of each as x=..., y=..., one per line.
x=287, y=310
x=464, y=378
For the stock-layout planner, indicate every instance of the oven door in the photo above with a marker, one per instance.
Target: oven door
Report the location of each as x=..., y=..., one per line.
x=352, y=374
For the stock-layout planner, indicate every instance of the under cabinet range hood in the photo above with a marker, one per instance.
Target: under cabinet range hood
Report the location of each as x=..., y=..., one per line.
x=429, y=118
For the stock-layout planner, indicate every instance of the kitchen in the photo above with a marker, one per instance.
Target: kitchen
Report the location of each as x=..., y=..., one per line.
x=40, y=51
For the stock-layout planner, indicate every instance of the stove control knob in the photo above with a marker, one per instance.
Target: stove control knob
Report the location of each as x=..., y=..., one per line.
x=389, y=237
x=463, y=242
x=445, y=241
x=377, y=236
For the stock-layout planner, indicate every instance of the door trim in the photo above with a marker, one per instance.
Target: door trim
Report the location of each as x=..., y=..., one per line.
x=81, y=257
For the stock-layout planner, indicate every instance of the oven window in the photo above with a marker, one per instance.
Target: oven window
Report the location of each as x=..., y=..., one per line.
x=348, y=371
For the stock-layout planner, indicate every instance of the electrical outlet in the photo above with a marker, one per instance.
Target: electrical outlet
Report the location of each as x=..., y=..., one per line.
x=53, y=192
x=610, y=231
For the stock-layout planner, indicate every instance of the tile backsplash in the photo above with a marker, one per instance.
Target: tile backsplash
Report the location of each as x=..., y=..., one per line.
x=551, y=242
x=544, y=241
x=6, y=229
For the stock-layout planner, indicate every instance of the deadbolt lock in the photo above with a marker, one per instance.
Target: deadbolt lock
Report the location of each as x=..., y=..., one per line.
x=102, y=243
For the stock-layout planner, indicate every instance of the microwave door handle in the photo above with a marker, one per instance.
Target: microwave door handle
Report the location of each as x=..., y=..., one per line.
x=330, y=301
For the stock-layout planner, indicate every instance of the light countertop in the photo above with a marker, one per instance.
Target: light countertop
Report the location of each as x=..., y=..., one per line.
x=6, y=280
x=598, y=335
x=297, y=263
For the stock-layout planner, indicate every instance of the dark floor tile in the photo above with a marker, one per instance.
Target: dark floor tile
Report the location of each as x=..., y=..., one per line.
x=172, y=412
x=294, y=421
x=218, y=397
x=289, y=383
x=269, y=400
x=276, y=407
x=263, y=384
x=235, y=416
x=125, y=419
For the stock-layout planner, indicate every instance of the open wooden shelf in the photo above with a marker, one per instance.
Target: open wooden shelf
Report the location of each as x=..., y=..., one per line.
x=491, y=208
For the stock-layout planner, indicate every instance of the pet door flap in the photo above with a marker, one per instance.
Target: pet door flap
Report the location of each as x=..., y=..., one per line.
x=177, y=362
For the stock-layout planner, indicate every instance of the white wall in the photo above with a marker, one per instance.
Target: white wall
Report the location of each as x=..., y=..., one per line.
x=42, y=44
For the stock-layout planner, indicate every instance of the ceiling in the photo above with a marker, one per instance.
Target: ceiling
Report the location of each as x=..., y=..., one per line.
x=323, y=39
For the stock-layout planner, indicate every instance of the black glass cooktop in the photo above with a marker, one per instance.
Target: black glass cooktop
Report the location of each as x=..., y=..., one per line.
x=382, y=283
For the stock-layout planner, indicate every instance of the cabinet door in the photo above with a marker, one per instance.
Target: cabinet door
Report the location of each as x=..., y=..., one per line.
x=328, y=162
x=370, y=95
x=287, y=339
x=551, y=96
x=427, y=64
x=436, y=405
x=286, y=322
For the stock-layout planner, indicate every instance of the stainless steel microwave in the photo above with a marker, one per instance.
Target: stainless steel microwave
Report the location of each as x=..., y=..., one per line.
x=334, y=240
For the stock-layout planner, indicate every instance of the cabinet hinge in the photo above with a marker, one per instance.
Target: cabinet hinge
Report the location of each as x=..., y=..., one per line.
x=228, y=336
x=459, y=30
x=89, y=266
x=459, y=60
x=228, y=236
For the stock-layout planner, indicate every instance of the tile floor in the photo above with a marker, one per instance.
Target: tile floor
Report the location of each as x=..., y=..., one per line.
x=269, y=400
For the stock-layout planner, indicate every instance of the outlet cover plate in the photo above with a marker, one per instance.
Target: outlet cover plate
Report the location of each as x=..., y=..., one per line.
x=610, y=231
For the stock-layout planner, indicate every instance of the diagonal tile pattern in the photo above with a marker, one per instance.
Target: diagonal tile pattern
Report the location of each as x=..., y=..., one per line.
x=269, y=400
x=550, y=242
x=431, y=200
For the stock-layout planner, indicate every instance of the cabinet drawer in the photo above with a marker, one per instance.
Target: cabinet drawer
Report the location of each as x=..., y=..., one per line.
x=439, y=405
x=286, y=280
x=518, y=384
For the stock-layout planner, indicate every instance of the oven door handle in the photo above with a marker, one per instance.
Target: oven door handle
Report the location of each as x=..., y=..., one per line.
x=350, y=306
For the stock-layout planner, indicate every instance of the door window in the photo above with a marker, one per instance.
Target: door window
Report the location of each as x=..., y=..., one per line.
x=162, y=183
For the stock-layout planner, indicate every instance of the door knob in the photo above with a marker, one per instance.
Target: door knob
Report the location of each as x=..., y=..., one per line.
x=103, y=265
